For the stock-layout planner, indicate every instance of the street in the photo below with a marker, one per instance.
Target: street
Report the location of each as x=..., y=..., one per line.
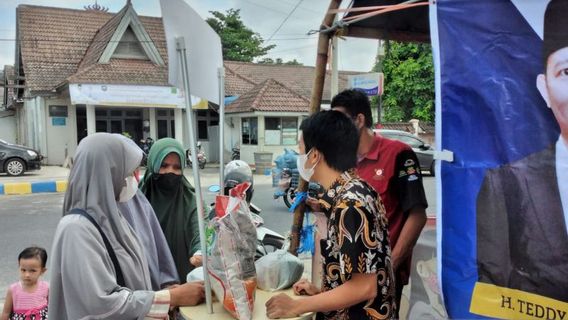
x=32, y=219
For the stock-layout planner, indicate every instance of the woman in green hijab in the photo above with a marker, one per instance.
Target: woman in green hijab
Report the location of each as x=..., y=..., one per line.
x=174, y=201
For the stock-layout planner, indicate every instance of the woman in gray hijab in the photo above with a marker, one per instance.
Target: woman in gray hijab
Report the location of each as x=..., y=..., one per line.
x=141, y=217
x=84, y=280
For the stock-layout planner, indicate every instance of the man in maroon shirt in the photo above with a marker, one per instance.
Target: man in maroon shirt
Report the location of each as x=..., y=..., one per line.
x=392, y=168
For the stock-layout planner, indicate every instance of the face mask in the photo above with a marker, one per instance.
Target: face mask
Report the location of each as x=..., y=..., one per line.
x=129, y=190
x=301, y=160
x=168, y=181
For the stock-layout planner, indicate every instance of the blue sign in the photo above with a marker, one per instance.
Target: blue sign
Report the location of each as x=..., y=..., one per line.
x=503, y=249
x=58, y=121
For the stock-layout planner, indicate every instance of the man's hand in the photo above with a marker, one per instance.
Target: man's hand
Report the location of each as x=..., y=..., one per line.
x=187, y=294
x=196, y=261
x=304, y=287
x=281, y=306
x=314, y=204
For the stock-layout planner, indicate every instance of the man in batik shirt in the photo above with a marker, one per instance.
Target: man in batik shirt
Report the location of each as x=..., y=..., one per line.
x=358, y=280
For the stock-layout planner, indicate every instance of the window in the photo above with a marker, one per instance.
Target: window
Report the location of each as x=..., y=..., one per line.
x=411, y=141
x=129, y=47
x=205, y=119
x=281, y=131
x=249, y=131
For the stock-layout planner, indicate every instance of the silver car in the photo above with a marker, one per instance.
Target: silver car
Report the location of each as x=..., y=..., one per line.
x=423, y=150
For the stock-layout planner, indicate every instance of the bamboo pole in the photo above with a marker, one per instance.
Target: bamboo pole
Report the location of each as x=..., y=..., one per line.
x=315, y=102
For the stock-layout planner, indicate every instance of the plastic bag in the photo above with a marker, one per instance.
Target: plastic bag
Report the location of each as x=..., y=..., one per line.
x=286, y=160
x=231, y=249
x=278, y=270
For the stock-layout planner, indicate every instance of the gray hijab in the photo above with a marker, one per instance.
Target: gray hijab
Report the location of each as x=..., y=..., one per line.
x=142, y=218
x=83, y=279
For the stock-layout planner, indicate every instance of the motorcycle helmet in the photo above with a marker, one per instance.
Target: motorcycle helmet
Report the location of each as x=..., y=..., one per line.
x=237, y=172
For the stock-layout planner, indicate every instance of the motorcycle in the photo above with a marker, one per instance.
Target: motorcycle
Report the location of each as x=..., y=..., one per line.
x=288, y=184
x=201, y=159
x=145, y=145
x=236, y=153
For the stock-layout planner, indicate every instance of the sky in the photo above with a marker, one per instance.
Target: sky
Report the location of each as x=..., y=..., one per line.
x=262, y=16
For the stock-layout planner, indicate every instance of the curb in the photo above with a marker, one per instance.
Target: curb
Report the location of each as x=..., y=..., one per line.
x=32, y=187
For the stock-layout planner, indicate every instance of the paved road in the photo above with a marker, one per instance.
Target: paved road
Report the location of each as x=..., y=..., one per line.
x=32, y=219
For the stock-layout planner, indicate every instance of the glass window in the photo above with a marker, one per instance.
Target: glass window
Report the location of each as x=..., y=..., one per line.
x=162, y=113
x=249, y=131
x=116, y=113
x=281, y=131
x=289, y=131
x=411, y=141
x=100, y=112
x=162, y=129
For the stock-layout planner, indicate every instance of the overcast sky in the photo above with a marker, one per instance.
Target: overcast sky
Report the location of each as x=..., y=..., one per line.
x=262, y=16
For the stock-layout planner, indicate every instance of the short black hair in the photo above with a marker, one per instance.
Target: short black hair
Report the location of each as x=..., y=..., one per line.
x=34, y=252
x=355, y=102
x=335, y=136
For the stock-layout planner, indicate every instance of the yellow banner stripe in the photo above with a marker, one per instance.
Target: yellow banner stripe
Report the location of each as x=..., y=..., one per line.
x=504, y=303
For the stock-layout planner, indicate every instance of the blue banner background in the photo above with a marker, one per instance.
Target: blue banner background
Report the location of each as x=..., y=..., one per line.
x=492, y=114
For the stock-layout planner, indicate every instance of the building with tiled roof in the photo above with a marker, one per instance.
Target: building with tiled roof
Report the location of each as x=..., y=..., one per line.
x=83, y=71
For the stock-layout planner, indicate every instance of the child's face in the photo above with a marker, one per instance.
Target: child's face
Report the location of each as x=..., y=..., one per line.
x=30, y=270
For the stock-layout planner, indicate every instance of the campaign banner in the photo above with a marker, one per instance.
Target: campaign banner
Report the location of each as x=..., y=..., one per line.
x=370, y=83
x=502, y=103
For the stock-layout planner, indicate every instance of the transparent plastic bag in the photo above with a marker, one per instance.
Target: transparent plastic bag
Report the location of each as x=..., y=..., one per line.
x=278, y=270
x=231, y=249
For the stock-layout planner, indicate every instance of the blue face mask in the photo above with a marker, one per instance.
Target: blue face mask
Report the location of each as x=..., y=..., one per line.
x=305, y=173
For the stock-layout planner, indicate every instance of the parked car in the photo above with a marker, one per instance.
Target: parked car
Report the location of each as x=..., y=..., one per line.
x=16, y=159
x=423, y=150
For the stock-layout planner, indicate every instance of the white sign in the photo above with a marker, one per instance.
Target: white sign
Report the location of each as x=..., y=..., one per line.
x=128, y=96
x=370, y=83
x=203, y=49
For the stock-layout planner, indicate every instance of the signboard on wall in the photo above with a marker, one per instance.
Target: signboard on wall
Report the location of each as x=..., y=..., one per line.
x=370, y=83
x=129, y=96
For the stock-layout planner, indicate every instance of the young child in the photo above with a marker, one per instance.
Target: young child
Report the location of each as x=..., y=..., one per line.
x=27, y=298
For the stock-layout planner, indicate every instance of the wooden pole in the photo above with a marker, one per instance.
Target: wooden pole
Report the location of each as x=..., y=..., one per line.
x=315, y=102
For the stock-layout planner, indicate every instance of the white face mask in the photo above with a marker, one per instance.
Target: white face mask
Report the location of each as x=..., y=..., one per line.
x=129, y=190
x=301, y=160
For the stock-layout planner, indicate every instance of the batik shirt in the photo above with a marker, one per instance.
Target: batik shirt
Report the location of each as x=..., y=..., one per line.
x=357, y=242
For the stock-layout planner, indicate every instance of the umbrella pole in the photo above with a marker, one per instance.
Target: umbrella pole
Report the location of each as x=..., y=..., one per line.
x=181, y=49
x=315, y=102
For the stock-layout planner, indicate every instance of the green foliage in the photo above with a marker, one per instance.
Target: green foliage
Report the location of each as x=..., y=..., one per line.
x=409, y=82
x=280, y=62
x=239, y=42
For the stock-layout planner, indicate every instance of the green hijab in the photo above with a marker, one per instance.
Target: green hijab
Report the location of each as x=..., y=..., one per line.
x=174, y=202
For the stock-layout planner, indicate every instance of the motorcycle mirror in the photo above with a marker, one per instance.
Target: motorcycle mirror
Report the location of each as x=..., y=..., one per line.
x=214, y=188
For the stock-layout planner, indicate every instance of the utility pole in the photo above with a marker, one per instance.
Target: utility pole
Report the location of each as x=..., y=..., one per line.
x=380, y=59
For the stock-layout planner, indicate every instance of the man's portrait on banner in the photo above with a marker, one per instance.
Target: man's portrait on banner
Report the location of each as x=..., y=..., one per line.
x=522, y=207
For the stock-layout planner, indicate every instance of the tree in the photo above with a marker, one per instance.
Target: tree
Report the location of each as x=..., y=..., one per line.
x=409, y=82
x=239, y=42
x=279, y=61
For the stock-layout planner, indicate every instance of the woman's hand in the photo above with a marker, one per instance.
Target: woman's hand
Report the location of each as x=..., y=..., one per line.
x=305, y=288
x=281, y=306
x=187, y=294
x=196, y=260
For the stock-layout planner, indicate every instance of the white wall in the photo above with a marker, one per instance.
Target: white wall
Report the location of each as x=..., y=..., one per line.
x=247, y=151
x=8, y=127
x=61, y=139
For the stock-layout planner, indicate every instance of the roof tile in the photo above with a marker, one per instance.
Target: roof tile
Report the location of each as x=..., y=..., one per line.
x=271, y=96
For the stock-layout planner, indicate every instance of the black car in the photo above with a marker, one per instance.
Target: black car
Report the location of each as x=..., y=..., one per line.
x=16, y=159
x=424, y=151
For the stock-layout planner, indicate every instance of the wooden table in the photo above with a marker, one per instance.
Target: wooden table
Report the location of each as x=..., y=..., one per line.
x=219, y=313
